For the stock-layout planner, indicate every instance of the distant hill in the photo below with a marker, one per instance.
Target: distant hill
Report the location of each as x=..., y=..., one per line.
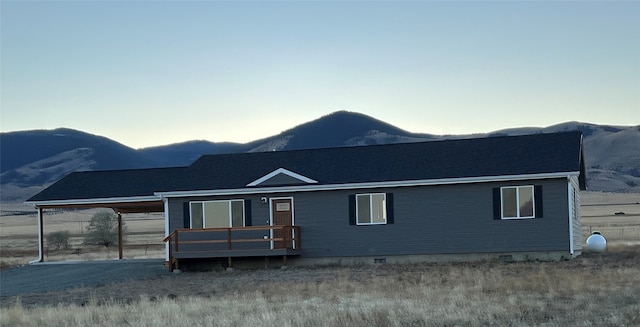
x=22, y=148
x=340, y=128
x=612, y=154
x=182, y=154
x=41, y=157
x=32, y=160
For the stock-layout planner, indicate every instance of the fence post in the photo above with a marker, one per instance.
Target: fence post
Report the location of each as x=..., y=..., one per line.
x=119, y=236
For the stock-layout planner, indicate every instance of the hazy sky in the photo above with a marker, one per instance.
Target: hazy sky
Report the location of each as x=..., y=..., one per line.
x=158, y=72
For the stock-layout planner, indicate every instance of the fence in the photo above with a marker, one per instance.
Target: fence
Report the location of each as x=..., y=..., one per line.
x=615, y=232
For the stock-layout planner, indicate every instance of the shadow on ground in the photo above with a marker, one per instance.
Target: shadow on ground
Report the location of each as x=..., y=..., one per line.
x=58, y=276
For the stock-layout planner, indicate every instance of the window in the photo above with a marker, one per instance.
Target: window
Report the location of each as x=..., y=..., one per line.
x=517, y=202
x=216, y=214
x=371, y=209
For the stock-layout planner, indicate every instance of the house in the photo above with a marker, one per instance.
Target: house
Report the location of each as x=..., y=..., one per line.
x=510, y=197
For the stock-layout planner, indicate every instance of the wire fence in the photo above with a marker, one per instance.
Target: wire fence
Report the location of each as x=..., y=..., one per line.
x=613, y=233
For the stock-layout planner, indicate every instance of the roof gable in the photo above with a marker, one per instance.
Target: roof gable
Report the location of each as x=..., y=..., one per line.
x=282, y=176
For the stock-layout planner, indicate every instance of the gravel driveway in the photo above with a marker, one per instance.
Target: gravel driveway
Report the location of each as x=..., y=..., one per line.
x=58, y=276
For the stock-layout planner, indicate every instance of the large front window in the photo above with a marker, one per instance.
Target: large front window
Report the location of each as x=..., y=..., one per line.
x=216, y=214
x=371, y=209
x=517, y=202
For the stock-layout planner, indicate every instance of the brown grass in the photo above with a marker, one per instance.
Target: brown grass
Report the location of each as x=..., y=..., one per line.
x=594, y=290
x=615, y=215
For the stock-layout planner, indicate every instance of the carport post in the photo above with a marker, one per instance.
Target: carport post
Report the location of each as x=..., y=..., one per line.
x=119, y=235
x=40, y=236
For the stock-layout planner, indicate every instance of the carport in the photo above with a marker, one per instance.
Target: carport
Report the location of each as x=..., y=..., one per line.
x=119, y=205
x=123, y=191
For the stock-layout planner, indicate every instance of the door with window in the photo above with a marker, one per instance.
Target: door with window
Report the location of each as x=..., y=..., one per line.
x=282, y=215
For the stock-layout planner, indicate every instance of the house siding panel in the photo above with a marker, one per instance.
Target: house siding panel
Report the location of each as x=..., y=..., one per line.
x=432, y=220
x=176, y=214
x=442, y=219
x=577, y=217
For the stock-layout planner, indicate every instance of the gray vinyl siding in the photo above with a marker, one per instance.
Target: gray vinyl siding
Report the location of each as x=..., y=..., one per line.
x=577, y=218
x=176, y=217
x=439, y=219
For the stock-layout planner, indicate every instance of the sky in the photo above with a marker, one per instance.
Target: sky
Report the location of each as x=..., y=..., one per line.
x=148, y=73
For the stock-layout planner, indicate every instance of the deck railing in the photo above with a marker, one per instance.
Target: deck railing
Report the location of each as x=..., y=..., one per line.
x=232, y=242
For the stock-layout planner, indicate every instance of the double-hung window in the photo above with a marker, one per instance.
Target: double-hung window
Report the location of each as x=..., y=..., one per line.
x=517, y=202
x=371, y=209
x=216, y=214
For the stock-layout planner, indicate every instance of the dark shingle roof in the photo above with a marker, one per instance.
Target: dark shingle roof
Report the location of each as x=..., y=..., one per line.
x=109, y=184
x=464, y=158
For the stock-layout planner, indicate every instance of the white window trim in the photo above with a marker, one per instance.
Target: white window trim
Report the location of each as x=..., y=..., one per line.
x=371, y=209
x=244, y=222
x=518, y=187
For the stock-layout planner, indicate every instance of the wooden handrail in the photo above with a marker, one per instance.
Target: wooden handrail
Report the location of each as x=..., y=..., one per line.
x=247, y=228
x=170, y=236
x=218, y=229
x=291, y=238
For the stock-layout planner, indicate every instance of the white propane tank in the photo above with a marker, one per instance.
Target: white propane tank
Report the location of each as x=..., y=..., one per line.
x=596, y=243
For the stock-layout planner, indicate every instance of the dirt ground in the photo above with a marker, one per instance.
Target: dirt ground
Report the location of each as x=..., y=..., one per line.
x=59, y=276
x=246, y=281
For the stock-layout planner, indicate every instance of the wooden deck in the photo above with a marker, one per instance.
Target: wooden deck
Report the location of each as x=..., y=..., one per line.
x=252, y=241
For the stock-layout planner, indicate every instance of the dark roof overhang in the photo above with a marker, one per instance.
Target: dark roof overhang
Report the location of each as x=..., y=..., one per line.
x=122, y=205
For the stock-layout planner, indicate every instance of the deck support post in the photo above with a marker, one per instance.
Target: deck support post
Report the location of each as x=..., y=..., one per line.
x=229, y=264
x=119, y=235
x=170, y=256
x=284, y=260
x=177, y=242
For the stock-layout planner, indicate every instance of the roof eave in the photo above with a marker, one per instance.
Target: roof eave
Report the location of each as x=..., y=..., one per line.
x=331, y=187
x=94, y=201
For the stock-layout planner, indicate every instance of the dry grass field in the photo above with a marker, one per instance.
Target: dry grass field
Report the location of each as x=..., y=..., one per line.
x=591, y=290
x=615, y=215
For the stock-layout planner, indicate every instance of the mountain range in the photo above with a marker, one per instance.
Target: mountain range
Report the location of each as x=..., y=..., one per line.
x=32, y=160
